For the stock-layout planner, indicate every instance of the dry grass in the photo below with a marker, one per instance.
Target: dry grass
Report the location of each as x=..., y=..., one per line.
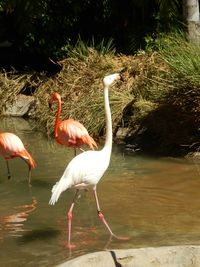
x=158, y=102
x=10, y=87
x=148, y=101
x=80, y=86
x=13, y=83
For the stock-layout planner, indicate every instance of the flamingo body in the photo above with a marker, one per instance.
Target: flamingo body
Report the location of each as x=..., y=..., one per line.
x=82, y=172
x=11, y=147
x=70, y=132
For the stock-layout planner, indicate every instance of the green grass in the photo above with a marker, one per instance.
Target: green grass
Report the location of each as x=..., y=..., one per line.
x=183, y=58
x=82, y=50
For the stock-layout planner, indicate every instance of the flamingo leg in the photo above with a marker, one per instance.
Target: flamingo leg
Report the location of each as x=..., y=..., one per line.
x=69, y=216
x=29, y=171
x=29, y=176
x=100, y=214
x=101, y=217
x=8, y=169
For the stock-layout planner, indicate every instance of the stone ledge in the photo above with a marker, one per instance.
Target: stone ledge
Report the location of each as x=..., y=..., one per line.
x=170, y=256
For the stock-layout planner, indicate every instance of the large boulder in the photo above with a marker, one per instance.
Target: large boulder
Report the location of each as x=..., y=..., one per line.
x=171, y=256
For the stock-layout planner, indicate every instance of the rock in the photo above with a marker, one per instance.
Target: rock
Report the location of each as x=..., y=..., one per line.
x=170, y=256
x=20, y=106
x=16, y=124
x=193, y=155
x=122, y=133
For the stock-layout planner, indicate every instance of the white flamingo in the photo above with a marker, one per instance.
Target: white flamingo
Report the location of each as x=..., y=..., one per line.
x=86, y=169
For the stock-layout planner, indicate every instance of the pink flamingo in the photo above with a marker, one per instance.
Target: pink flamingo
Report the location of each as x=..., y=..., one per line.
x=11, y=147
x=70, y=132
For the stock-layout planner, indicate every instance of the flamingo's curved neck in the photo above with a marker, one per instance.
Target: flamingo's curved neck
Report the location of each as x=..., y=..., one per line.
x=57, y=119
x=108, y=141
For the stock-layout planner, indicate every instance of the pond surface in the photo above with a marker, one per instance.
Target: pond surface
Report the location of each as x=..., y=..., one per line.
x=154, y=201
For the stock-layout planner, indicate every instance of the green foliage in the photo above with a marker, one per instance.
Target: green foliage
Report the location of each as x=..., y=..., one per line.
x=183, y=58
x=52, y=28
x=104, y=47
x=81, y=49
x=168, y=16
x=154, y=44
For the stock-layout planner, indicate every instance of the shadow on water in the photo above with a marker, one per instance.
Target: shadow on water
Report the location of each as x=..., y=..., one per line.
x=154, y=201
x=39, y=234
x=40, y=183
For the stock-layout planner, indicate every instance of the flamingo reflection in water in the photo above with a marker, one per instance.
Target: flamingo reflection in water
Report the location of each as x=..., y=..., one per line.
x=14, y=224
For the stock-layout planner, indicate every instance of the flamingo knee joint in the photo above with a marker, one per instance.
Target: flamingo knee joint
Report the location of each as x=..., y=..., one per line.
x=69, y=216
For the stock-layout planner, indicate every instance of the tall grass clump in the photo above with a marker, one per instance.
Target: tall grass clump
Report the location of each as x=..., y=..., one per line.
x=175, y=121
x=80, y=84
x=181, y=61
x=183, y=58
x=81, y=49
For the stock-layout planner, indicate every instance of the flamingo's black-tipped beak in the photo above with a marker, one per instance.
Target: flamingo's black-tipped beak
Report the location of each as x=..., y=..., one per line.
x=50, y=105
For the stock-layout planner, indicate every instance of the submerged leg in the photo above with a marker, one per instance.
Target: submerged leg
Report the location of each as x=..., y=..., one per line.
x=101, y=217
x=29, y=170
x=29, y=176
x=69, y=216
x=8, y=169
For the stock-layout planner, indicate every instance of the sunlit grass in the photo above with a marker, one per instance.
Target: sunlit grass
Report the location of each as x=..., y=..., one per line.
x=80, y=84
x=183, y=57
x=168, y=77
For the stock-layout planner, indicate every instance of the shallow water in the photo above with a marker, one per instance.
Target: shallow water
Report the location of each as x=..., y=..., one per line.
x=153, y=201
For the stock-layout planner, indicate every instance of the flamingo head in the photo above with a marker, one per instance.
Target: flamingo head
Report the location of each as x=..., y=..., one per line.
x=109, y=79
x=54, y=98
